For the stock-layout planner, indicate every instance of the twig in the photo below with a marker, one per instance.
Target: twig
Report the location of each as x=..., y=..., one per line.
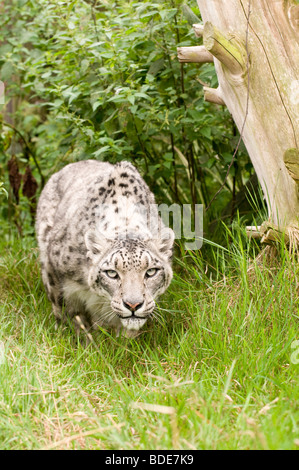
x=28, y=149
x=69, y=439
x=94, y=18
x=47, y=392
x=83, y=328
x=174, y=166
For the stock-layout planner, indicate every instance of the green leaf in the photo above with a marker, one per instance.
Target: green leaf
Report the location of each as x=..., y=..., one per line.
x=131, y=98
x=101, y=151
x=206, y=131
x=84, y=65
x=7, y=71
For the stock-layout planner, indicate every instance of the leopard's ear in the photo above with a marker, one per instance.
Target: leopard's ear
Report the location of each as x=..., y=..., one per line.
x=165, y=242
x=95, y=241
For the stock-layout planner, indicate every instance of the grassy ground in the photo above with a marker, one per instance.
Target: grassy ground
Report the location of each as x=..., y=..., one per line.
x=216, y=372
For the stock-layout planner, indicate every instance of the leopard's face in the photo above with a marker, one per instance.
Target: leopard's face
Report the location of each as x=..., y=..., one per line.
x=131, y=276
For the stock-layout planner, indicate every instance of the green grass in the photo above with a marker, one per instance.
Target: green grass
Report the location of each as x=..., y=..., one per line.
x=215, y=372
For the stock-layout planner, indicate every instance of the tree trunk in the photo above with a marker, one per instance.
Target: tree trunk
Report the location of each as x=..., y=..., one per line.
x=255, y=44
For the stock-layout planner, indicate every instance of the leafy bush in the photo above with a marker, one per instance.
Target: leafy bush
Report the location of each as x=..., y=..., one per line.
x=88, y=79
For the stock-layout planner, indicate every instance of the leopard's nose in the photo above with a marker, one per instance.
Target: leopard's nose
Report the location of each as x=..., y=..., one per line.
x=133, y=307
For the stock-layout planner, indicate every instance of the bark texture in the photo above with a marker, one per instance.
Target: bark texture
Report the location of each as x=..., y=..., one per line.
x=261, y=38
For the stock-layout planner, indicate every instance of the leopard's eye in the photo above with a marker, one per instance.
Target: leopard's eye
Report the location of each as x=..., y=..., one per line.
x=112, y=274
x=151, y=272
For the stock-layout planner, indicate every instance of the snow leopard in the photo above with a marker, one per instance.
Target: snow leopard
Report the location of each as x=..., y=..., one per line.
x=102, y=263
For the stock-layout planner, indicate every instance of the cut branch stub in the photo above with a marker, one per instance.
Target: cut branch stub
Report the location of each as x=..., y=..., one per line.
x=197, y=54
x=213, y=95
x=253, y=231
x=291, y=161
x=198, y=29
x=225, y=50
x=269, y=233
x=293, y=14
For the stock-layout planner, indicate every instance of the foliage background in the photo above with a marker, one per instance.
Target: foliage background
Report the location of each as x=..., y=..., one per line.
x=91, y=79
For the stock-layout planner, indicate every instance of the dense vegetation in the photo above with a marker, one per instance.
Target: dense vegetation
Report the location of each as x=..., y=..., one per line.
x=101, y=80
x=91, y=79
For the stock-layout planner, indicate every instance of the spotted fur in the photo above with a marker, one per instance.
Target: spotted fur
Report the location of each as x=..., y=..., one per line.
x=92, y=222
